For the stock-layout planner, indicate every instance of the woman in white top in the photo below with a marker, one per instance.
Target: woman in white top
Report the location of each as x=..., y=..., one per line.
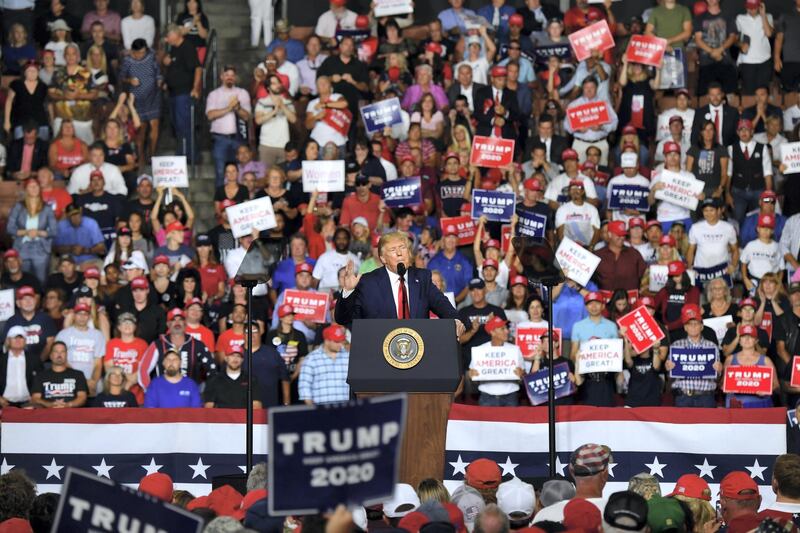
x=138, y=25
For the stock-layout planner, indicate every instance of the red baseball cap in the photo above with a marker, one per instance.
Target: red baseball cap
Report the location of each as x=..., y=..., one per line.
x=516, y=20
x=569, y=153
x=671, y=147
x=234, y=348
x=176, y=312
x=91, y=273
x=10, y=253
x=362, y=21
x=576, y=183
x=636, y=222
x=334, y=333
x=582, y=515
x=483, y=474
x=285, y=310
x=436, y=48
x=667, y=240
x=593, y=296
x=617, y=227
x=492, y=243
x=519, y=280
x=588, y=165
x=768, y=194
x=81, y=308
x=450, y=229
x=451, y=155
x=752, y=4
x=647, y=301
x=737, y=482
x=744, y=124
x=691, y=312
x=532, y=185
x=140, y=283
x=653, y=223
x=466, y=208
x=692, y=485
x=748, y=302
x=193, y=301
x=676, y=118
x=338, y=3
x=407, y=157
x=158, y=485
x=499, y=71
x=494, y=323
x=676, y=268
x=303, y=267
x=489, y=263
x=766, y=221
x=746, y=329
x=25, y=290
x=174, y=226
x=630, y=129
x=161, y=259
x=488, y=184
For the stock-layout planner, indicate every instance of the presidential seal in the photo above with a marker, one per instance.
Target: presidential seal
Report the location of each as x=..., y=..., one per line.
x=403, y=348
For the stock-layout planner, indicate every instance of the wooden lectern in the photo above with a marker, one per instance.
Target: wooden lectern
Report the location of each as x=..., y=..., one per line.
x=385, y=358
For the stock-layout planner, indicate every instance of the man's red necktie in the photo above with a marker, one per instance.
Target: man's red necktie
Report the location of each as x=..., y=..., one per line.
x=746, y=153
x=716, y=125
x=402, y=301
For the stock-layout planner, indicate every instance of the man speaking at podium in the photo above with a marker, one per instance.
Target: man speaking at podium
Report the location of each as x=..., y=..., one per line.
x=394, y=291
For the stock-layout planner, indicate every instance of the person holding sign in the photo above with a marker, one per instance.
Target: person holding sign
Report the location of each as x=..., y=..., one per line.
x=645, y=386
x=750, y=357
x=630, y=181
x=497, y=392
x=541, y=361
x=577, y=219
x=496, y=109
x=667, y=212
x=694, y=391
x=596, y=388
x=677, y=292
x=747, y=317
x=713, y=246
x=595, y=135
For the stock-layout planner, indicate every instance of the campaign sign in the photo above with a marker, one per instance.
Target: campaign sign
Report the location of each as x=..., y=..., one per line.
x=465, y=227
x=538, y=383
x=91, y=503
x=529, y=339
x=6, y=304
x=492, y=152
x=588, y=115
x=703, y=275
x=629, y=197
x=577, y=263
x=790, y=156
x=253, y=214
x=642, y=329
x=307, y=305
x=494, y=363
x=542, y=54
x=680, y=190
x=505, y=237
x=600, y=355
x=646, y=49
x=595, y=37
x=380, y=115
x=321, y=456
x=170, y=171
x=658, y=277
x=693, y=363
x=719, y=324
x=323, y=176
x=767, y=323
x=531, y=224
x=494, y=205
x=402, y=192
x=748, y=380
x=387, y=8
x=795, y=375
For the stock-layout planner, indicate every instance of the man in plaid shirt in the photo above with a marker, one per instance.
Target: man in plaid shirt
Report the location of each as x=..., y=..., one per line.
x=323, y=374
x=694, y=392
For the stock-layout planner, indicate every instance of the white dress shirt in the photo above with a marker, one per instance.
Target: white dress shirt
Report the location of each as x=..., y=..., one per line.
x=79, y=180
x=766, y=161
x=713, y=110
x=16, y=386
x=394, y=280
x=467, y=93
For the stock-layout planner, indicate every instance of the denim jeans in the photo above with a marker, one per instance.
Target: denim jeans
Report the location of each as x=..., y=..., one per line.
x=180, y=107
x=505, y=400
x=744, y=201
x=703, y=400
x=223, y=151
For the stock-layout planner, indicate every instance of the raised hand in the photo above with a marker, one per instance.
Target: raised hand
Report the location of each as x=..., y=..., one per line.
x=351, y=279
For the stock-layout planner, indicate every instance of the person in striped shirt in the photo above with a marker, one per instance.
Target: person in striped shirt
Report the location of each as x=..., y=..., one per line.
x=323, y=375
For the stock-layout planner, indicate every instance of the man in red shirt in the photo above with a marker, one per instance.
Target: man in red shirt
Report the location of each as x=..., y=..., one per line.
x=194, y=324
x=621, y=267
x=234, y=334
x=57, y=198
x=362, y=203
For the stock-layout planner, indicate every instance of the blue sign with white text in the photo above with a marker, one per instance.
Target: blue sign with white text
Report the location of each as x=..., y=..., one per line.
x=693, y=363
x=538, y=383
x=531, y=224
x=380, y=115
x=402, y=192
x=629, y=197
x=494, y=205
x=91, y=503
x=324, y=455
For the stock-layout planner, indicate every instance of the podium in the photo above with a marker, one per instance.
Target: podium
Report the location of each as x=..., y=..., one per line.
x=419, y=357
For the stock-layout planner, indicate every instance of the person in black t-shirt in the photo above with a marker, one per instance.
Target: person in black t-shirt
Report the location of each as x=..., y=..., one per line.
x=183, y=78
x=114, y=395
x=105, y=208
x=40, y=331
x=60, y=386
x=475, y=316
x=348, y=75
x=228, y=389
x=270, y=370
x=541, y=361
x=68, y=278
x=645, y=385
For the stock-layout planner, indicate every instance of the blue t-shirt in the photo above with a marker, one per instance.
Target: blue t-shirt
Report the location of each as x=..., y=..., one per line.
x=569, y=308
x=174, y=255
x=586, y=329
x=456, y=271
x=87, y=235
x=162, y=393
x=283, y=277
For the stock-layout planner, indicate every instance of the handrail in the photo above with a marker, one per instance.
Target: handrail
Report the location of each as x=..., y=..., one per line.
x=209, y=65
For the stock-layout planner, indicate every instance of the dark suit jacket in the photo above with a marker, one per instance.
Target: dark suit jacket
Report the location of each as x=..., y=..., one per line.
x=557, y=145
x=484, y=112
x=373, y=298
x=455, y=91
x=730, y=116
x=32, y=365
x=38, y=160
x=530, y=24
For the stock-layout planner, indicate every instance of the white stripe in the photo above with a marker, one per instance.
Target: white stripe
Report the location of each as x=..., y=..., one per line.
x=518, y=437
x=105, y=439
x=197, y=489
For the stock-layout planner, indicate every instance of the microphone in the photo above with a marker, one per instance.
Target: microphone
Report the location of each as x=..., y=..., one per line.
x=401, y=269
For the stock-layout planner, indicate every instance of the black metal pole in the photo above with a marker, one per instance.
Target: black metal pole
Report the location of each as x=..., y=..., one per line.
x=249, y=422
x=551, y=393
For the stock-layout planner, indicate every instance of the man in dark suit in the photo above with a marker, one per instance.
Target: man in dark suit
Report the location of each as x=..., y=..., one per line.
x=17, y=370
x=496, y=110
x=544, y=136
x=466, y=87
x=721, y=114
x=377, y=294
x=30, y=144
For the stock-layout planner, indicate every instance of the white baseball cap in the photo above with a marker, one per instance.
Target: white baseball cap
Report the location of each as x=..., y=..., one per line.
x=16, y=331
x=516, y=498
x=403, y=501
x=360, y=220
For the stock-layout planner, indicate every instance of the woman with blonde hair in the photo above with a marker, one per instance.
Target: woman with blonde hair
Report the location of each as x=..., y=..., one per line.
x=718, y=296
x=773, y=299
x=33, y=225
x=460, y=142
x=432, y=490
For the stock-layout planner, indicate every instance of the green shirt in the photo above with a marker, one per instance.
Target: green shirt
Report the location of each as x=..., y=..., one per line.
x=668, y=23
x=368, y=265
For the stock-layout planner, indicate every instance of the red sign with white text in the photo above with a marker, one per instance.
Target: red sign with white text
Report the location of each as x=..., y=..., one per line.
x=505, y=238
x=307, y=305
x=492, y=152
x=766, y=324
x=641, y=329
x=588, y=115
x=748, y=380
x=795, y=379
x=529, y=339
x=465, y=227
x=646, y=49
x=595, y=37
